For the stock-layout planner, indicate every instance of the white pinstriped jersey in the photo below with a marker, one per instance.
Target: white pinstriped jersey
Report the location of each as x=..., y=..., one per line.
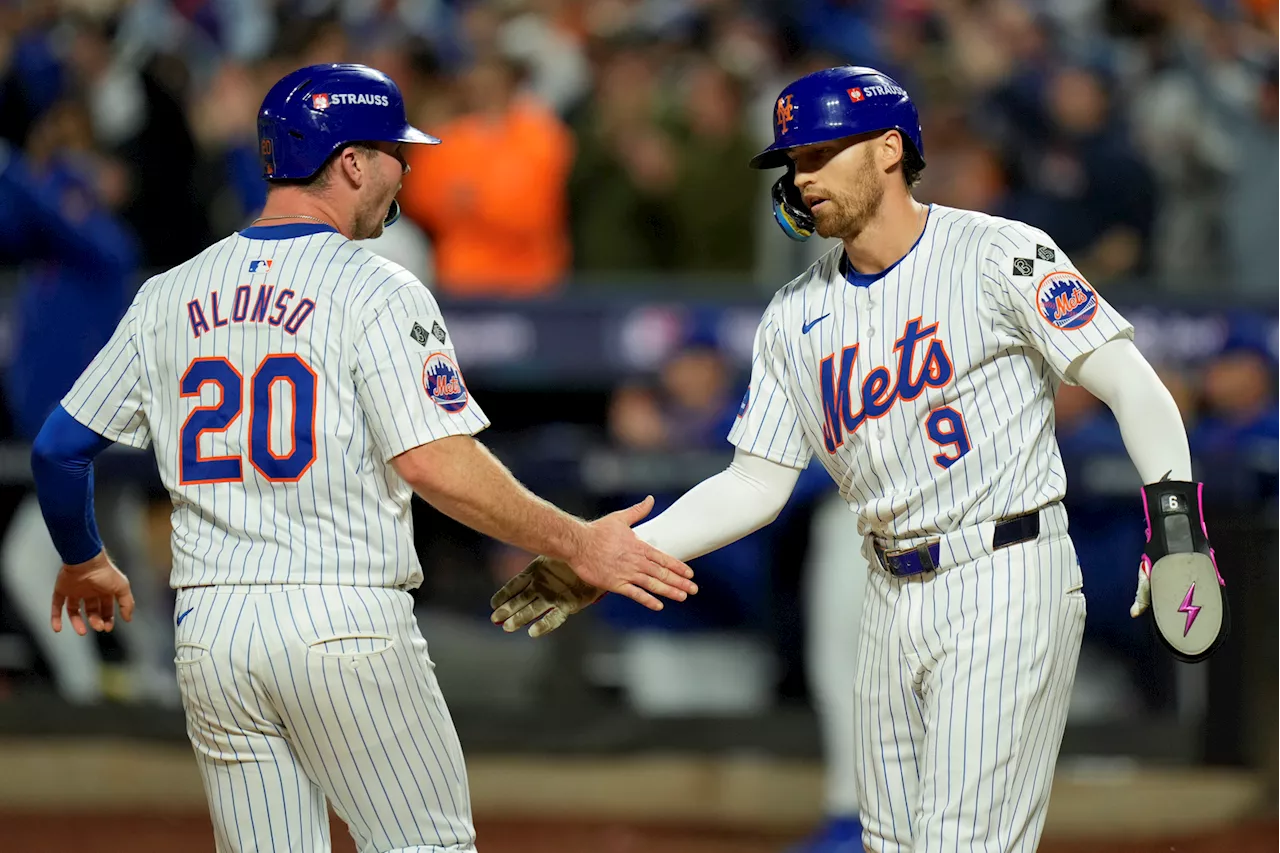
x=927, y=391
x=277, y=375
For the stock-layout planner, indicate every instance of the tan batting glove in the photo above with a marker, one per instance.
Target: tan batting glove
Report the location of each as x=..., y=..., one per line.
x=545, y=594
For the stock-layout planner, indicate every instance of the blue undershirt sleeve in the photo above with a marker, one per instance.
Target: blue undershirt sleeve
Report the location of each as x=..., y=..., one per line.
x=62, y=464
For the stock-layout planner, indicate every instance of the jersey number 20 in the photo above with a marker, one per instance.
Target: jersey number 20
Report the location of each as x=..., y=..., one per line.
x=284, y=467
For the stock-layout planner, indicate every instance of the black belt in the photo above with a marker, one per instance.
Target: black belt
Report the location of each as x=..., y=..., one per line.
x=926, y=557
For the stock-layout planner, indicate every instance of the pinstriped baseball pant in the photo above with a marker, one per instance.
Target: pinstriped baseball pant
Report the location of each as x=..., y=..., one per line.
x=295, y=695
x=962, y=687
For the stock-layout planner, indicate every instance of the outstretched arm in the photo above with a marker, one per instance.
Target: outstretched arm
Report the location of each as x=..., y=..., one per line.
x=722, y=509
x=739, y=500
x=461, y=478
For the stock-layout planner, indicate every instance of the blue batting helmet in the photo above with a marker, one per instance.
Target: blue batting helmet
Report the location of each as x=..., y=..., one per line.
x=314, y=111
x=827, y=105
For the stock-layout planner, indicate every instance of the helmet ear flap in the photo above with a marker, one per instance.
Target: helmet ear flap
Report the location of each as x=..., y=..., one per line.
x=393, y=214
x=789, y=209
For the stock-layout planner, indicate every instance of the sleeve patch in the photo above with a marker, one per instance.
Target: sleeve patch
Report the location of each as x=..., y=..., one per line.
x=1065, y=301
x=443, y=383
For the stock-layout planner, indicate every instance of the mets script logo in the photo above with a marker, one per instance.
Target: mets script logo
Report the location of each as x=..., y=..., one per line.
x=1066, y=301
x=785, y=108
x=845, y=410
x=443, y=382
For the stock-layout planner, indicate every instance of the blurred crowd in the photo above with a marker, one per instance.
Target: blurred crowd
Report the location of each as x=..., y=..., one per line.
x=605, y=143
x=601, y=139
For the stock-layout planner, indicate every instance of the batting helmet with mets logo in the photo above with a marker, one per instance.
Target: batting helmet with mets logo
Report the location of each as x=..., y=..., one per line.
x=827, y=105
x=313, y=112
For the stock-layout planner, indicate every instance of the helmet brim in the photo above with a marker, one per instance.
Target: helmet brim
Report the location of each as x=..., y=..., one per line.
x=412, y=134
x=771, y=157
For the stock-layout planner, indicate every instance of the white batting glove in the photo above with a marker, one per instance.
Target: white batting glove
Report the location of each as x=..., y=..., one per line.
x=1142, y=600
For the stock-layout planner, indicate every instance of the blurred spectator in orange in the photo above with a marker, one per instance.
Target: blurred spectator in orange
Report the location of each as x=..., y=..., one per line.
x=492, y=196
x=623, y=180
x=714, y=199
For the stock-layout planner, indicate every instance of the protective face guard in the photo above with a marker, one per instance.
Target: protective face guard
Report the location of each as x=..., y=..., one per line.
x=1188, y=599
x=793, y=215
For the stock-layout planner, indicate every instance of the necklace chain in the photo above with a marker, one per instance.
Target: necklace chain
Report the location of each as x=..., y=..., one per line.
x=290, y=216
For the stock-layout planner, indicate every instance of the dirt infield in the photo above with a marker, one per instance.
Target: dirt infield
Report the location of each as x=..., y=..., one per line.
x=57, y=833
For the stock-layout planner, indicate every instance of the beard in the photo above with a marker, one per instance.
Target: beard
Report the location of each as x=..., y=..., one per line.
x=846, y=213
x=371, y=213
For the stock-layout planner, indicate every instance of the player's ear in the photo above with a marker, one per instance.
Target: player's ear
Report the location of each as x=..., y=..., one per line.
x=352, y=165
x=889, y=150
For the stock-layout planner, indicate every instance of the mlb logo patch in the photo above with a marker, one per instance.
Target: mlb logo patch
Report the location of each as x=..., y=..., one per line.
x=442, y=381
x=1066, y=302
x=320, y=101
x=259, y=266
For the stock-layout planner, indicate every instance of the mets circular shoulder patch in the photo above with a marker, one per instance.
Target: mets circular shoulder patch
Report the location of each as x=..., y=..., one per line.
x=443, y=383
x=1066, y=301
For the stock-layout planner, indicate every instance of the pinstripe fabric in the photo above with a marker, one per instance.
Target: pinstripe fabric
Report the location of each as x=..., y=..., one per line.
x=927, y=392
x=1006, y=359
x=320, y=691
x=298, y=693
x=962, y=689
x=346, y=521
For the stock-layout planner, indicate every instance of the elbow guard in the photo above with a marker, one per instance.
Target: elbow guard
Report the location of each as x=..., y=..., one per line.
x=1188, y=600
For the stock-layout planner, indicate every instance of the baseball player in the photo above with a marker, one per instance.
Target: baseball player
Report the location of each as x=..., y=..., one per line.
x=298, y=389
x=918, y=361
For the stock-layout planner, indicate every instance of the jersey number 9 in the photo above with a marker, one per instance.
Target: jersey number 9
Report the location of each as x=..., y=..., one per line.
x=287, y=466
x=946, y=429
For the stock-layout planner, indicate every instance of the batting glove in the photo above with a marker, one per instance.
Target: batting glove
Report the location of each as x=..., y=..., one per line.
x=542, y=596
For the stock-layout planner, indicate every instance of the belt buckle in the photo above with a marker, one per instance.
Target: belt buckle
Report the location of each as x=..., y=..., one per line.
x=921, y=551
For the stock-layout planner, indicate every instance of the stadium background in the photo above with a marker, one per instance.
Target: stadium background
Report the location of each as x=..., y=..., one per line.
x=602, y=255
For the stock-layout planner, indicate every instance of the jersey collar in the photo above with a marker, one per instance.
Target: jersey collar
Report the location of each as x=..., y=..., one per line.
x=285, y=232
x=858, y=279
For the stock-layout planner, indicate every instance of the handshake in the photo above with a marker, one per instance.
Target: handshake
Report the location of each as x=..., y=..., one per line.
x=608, y=558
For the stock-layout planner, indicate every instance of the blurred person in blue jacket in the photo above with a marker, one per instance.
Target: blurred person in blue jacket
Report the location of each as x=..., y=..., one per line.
x=78, y=265
x=1238, y=434
x=711, y=653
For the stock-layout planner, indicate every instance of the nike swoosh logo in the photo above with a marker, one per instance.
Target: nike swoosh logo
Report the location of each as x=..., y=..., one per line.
x=183, y=614
x=804, y=330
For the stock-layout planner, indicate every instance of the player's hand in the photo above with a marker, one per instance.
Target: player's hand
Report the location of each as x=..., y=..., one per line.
x=545, y=594
x=614, y=559
x=91, y=588
x=1142, y=600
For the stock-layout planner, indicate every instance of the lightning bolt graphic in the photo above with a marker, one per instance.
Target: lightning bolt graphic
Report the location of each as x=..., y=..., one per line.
x=1192, y=610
